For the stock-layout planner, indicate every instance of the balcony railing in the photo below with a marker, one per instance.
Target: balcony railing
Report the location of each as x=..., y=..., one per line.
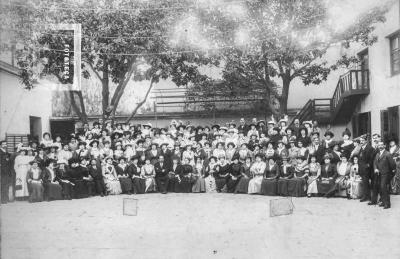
x=353, y=82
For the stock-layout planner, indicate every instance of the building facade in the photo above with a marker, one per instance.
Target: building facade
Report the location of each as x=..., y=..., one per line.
x=365, y=98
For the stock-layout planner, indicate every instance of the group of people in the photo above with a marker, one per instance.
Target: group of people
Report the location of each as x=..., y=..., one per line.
x=259, y=157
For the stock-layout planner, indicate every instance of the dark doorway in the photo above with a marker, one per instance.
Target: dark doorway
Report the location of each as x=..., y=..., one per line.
x=361, y=124
x=35, y=128
x=390, y=123
x=62, y=128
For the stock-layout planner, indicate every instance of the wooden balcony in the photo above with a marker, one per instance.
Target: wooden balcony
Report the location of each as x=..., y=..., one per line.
x=351, y=87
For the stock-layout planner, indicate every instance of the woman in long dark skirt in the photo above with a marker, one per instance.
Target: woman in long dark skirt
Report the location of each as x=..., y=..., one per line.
x=52, y=187
x=124, y=176
x=64, y=179
x=297, y=185
x=269, y=184
x=184, y=181
x=243, y=185
x=236, y=172
x=326, y=180
x=287, y=172
x=80, y=187
x=96, y=174
x=222, y=173
x=139, y=183
x=35, y=182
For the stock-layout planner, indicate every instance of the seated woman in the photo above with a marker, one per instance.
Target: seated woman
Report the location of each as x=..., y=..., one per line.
x=124, y=176
x=184, y=177
x=139, y=182
x=221, y=174
x=97, y=176
x=111, y=180
x=257, y=170
x=64, y=179
x=243, y=184
x=286, y=173
x=343, y=172
x=209, y=171
x=80, y=187
x=198, y=177
x=315, y=172
x=298, y=184
x=148, y=173
x=327, y=177
x=271, y=174
x=175, y=170
x=35, y=182
x=236, y=172
x=354, y=183
x=51, y=184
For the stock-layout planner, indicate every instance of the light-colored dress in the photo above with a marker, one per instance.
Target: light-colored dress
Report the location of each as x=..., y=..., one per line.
x=257, y=169
x=209, y=180
x=315, y=171
x=148, y=173
x=21, y=166
x=111, y=180
x=354, y=183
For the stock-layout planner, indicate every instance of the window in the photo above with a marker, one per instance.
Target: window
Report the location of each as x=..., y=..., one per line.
x=395, y=53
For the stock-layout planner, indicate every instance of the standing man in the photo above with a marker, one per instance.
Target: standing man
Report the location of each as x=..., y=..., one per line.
x=5, y=168
x=367, y=159
x=243, y=126
x=384, y=167
x=162, y=178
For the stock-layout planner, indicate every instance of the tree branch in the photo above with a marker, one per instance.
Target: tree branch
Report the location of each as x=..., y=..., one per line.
x=141, y=102
x=92, y=68
x=121, y=86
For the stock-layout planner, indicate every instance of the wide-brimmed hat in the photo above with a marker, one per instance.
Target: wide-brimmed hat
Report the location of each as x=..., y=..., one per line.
x=307, y=122
x=147, y=125
x=230, y=144
x=94, y=141
x=215, y=126
x=329, y=133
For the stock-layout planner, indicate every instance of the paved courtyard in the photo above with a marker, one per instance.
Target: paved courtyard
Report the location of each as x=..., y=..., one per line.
x=199, y=226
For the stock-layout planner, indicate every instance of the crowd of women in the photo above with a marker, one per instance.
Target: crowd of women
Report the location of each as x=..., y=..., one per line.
x=255, y=158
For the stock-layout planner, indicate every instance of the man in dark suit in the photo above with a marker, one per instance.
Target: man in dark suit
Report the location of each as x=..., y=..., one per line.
x=318, y=149
x=5, y=169
x=162, y=179
x=384, y=167
x=367, y=159
x=243, y=126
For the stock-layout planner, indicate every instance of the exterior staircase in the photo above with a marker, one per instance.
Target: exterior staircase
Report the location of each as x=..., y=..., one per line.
x=351, y=87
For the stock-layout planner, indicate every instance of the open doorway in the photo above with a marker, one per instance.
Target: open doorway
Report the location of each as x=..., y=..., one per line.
x=35, y=125
x=62, y=128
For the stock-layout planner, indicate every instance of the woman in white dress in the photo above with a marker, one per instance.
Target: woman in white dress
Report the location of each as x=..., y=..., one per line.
x=148, y=173
x=355, y=182
x=111, y=179
x=21, y=167
x=257, y=170
x=209, y=173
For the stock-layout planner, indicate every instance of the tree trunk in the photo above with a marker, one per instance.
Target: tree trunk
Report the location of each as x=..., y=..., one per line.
x=105, y=90
x=80, y=112
x=140, y=104
x=285, y=94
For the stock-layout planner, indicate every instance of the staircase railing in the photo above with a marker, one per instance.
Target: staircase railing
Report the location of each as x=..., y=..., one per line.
x=351, y=82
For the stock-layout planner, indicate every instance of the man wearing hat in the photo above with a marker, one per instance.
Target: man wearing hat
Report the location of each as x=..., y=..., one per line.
x=5, y=167
x=316, y=148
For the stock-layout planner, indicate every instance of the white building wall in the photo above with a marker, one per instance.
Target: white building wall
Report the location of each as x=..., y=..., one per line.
x=17, y=104
x=384, y=88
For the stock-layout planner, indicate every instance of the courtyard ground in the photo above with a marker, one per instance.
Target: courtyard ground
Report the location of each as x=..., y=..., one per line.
x=199, y=226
